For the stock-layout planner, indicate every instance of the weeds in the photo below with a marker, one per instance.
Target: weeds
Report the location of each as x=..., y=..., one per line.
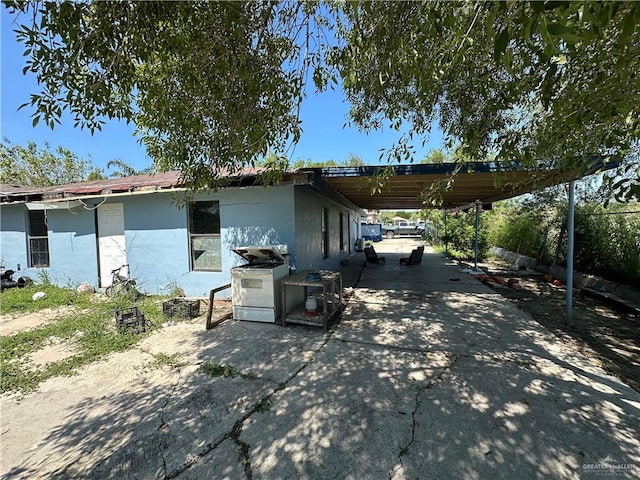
x=219, y=370
x=162, y=359
x=18, y=300
x=173, y=289
x=90, y=327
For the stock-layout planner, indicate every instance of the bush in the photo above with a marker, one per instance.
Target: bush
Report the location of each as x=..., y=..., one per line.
x=607, y=240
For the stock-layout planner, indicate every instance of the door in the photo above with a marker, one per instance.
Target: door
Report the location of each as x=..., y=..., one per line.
x=112, y=251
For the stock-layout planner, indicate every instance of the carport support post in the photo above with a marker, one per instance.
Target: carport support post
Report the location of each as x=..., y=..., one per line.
x=475, y=243
x=446, y=234
x=570, y=248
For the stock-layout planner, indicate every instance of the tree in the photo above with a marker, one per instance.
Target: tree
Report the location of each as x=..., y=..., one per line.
x=213, y=86
x=123, y=169
x=354, y=160
x=31, y=165
x=435, y=155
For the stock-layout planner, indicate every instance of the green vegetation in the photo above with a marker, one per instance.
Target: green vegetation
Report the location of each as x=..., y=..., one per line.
x=161, y=359
x=518, y=80
x=219, y=370
x=607, y=239
x=460, y=233
x=18, y=300
x=88, y=329
x=35, y=166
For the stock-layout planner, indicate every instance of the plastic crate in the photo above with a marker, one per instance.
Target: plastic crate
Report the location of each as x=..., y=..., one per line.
x=130, y=320
x=181, y=308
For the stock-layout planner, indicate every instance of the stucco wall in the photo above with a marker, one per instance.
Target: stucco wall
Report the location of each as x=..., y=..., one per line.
x=157, y=237
x=13, y=245
x=72, y=245
x=308, y=223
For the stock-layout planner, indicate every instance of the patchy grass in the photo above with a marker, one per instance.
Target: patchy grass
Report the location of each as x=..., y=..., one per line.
x=452, y=253
x=162, y=359
x=219, y=370
x=90, y=328
x=223, y=370
x=18, y=300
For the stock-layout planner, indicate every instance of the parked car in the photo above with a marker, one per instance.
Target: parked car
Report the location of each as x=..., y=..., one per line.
x=403, y=228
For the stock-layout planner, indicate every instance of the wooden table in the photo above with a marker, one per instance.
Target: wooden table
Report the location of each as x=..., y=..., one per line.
x=329, y=301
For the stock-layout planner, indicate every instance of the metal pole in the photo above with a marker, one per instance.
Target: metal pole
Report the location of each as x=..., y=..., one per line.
x=570, y=249
x=475, y=246
x=446, y=234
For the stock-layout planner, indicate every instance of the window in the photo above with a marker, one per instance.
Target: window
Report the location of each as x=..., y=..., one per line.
x=204, y=236
x=38, y=239
x=325, y=233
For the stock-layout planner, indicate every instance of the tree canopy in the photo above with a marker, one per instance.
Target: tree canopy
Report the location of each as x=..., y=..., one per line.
x=213, y=86
x=34, y=166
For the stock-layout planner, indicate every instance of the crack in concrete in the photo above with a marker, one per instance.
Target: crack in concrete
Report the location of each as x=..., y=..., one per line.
x=234, y=434
x=419, y=391
x=163, y=424
x=265, y=403
x=242, y=448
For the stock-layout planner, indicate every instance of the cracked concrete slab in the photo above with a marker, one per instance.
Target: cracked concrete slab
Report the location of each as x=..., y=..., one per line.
x=505, y=421
x=223, y=463
x=344, y=416
x=427, y=375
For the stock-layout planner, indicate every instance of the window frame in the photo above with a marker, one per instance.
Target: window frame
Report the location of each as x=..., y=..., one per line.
x=190, y=226
x=31, y=238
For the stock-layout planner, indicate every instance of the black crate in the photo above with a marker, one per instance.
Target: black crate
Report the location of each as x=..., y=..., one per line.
x=130, y=320
x=181, y=308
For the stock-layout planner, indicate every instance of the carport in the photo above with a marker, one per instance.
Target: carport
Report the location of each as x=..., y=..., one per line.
x=454, y=187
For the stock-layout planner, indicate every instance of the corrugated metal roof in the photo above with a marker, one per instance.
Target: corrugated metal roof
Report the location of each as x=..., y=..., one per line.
x=404, y=188
x=488, y=182
x=137, y=183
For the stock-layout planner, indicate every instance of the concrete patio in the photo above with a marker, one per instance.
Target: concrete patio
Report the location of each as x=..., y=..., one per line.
x=428, y=374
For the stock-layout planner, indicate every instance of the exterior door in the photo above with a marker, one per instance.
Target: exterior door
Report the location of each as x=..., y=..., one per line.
x=112, y=251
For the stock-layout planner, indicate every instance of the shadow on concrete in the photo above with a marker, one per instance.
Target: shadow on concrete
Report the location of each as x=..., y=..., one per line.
x=421, y=378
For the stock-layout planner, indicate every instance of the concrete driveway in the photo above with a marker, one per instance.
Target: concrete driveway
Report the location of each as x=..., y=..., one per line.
x=429, y=374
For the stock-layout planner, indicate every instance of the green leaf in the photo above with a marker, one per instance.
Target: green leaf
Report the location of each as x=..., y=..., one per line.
x=557, y=29
x=628, y=26
x=500, y=44
x=507, y=60
x=537, y=6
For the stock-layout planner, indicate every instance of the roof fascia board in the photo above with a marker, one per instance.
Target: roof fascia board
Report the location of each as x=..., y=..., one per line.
x=322, y=186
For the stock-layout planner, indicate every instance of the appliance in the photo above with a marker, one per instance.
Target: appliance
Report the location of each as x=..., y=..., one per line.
x=255, y=287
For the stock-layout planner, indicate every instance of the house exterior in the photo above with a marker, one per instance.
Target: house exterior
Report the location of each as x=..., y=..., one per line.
x=81, y=232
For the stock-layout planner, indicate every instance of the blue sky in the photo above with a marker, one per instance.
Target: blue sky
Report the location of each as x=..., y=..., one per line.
x=323, y=117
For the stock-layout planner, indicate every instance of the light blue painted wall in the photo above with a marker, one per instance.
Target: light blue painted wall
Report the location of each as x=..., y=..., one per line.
x=156, y=233
x=158, y=243
x=13, y=243
x=72, y=244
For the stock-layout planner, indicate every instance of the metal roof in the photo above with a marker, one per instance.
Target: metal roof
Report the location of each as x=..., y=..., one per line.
x=117, y=186
x=404, y=186
x=366, y=187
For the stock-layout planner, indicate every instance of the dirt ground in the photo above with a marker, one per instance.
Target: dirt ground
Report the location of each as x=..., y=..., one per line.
x=605, y=333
